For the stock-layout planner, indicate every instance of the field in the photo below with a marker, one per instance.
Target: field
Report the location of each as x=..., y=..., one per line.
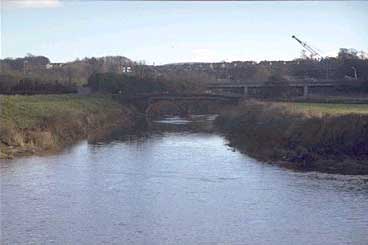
x=29, y=111
x=327, y=108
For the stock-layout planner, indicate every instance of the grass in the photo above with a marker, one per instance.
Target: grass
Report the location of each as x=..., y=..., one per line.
x=327, y=108
x=325, y=137
x=38, y=123
x=29, y=111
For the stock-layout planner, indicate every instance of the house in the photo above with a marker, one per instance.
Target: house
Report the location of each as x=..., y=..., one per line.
x=54, y=65
x=126, y=69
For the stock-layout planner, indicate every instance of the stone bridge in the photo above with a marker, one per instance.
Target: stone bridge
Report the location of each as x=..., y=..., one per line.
x=182, y=103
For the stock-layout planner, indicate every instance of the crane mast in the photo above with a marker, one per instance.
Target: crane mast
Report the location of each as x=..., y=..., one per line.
x=312, y=51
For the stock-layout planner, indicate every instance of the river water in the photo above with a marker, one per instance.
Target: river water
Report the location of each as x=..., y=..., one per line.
x=175, y=186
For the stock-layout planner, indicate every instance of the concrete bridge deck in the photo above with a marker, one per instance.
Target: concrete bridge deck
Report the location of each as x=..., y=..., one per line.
x=243, y=88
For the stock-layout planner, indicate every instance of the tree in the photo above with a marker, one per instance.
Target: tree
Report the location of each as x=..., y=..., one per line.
x=345, y=54
x=262, y=73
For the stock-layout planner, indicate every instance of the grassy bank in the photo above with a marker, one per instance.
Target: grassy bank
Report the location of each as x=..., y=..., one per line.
x=327, y=108
x=33, y=124
x=327, y=138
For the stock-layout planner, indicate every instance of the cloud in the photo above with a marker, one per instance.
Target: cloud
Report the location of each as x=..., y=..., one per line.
x=32, y=3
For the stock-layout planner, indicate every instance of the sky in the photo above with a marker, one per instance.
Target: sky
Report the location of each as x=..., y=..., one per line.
x=170, y=32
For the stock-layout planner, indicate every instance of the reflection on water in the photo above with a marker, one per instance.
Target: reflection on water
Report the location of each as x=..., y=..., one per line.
x=173, y=120
x=175, y=187
x=189, y=120
x=194, y=123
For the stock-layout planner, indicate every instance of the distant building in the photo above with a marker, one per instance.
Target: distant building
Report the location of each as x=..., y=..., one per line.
x=54, y=65
x=126, y=69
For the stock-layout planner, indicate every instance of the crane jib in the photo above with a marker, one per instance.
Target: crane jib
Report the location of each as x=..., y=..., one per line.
x=307, y=47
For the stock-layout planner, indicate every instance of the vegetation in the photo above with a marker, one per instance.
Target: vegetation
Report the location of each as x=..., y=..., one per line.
x=33, y=123
x=130, y=85
x=335, y=68
x=10, y=85
x=44, y=122
x=334, y=142
x=120, y=83
x=36, y=75
x=327, y=108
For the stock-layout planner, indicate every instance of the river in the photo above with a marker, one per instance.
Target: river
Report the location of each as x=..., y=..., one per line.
x=175, y=186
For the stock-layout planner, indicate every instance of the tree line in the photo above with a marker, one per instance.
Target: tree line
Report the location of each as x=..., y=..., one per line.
x=341, y=67
x=36, y=74
x=130, y=84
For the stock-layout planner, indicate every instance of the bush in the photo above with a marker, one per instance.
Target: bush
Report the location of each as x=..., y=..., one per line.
x=13, y=85
x=274, y=132
x=120, y=83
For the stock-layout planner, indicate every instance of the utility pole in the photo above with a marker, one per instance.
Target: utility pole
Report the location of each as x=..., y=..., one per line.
x=328, y=69
x=355, y=73
x=24, y=67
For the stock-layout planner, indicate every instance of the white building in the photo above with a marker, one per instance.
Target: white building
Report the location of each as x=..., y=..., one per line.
x=53, y=65
x=126, y=69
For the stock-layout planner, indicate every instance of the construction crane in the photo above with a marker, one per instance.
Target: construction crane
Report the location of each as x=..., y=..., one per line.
x=313, y=53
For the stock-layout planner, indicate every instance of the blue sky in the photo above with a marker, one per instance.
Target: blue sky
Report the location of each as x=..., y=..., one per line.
x=166, y=32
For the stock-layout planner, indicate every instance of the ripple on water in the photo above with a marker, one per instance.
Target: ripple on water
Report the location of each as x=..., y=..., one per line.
x=175, y=188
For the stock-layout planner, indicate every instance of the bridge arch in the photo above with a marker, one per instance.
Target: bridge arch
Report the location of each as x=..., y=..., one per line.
x=164, y=107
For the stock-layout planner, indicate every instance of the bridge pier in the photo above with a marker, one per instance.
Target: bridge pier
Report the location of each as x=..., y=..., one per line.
x=245, y=90
x=305, y=90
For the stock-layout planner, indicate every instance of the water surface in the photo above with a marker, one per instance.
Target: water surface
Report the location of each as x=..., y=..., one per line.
x=175, y=187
